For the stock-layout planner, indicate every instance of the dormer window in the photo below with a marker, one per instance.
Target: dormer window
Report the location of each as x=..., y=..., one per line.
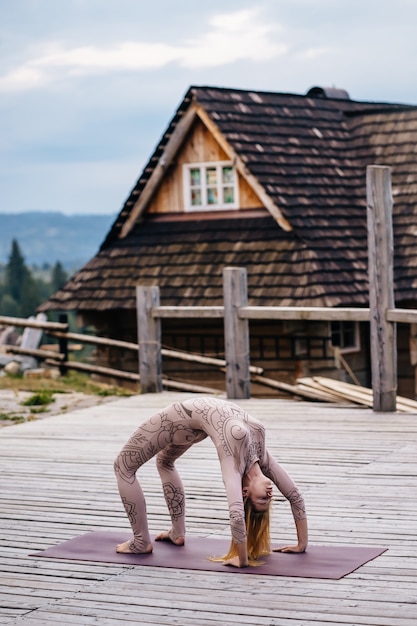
x=210, y=186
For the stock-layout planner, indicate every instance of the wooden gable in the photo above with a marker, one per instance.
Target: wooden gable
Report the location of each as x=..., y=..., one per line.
x=199, y=146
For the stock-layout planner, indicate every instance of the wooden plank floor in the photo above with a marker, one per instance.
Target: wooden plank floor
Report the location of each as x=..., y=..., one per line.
x=358, y=472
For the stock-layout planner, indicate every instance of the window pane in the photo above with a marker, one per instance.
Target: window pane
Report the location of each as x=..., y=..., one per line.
x=343, y=334
x=227, y=175
x=195, y=176
x=348, y=334
x=336, y=332
x=212, y=195
x=211, y=176
x=228, y=195
x=196, y=197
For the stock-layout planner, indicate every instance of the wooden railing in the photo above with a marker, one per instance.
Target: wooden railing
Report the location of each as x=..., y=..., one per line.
x=59, y=358
x=238, y=370
x=381, y=314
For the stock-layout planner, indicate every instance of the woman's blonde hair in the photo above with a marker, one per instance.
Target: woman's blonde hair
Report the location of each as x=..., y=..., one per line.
x=257, y=535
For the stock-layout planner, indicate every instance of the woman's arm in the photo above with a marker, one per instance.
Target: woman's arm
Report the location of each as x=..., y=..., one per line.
x=233, y=484
x=302, y=536
x=241, y=560
x=273, y=470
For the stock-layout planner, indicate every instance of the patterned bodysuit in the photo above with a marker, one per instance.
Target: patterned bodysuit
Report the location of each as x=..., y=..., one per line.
x=239, y=440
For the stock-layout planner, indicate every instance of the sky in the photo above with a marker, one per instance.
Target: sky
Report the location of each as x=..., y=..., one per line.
x=87, y=87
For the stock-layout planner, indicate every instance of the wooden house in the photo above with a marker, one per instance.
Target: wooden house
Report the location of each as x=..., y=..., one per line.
x=274, y=183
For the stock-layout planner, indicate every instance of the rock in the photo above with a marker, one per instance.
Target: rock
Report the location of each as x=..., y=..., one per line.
x=13, y=368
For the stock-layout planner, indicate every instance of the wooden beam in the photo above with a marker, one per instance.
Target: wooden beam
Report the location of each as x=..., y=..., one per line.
x=100, y=341
x=181, y=386
x=129, y=345
x=31, y=323
x=204, y=360
x=303, y=313
x=405, y=316
x=118, y=374
x=295, y=390
x=381, y=287
x=38, y=354
x=95, y=369
x=149, y=339
x=170, y=151
x=188, y=311
x=267, y=312
x=63, y=345
x=236, y=333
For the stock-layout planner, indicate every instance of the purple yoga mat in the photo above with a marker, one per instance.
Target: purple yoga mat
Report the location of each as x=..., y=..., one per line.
x=317, y=562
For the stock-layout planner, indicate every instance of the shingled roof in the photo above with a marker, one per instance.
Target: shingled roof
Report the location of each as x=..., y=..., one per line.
x=309, y=155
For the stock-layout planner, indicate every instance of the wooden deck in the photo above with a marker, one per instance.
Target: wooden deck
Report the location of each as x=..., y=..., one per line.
x=358, y=472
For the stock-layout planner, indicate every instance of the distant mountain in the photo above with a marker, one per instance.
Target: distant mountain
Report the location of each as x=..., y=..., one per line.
x=51, y=237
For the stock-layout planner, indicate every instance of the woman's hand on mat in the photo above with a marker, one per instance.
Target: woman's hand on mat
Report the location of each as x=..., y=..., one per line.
x=292, y=549
x=166, y=536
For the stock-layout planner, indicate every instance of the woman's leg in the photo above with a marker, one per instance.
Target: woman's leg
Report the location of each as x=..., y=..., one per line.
x=173, y=492
x=126, y=465
x=166, y=435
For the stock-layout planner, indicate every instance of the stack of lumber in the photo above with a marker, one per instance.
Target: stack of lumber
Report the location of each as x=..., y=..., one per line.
x=331, y=390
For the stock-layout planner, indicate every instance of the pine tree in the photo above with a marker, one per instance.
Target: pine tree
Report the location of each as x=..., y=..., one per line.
x=59, y=277
x=20, y=290
x=9, y=306
x=29, y=298
x=16, y=273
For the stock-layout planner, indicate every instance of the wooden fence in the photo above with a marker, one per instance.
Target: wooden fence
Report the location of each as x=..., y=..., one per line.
x=381, y=314
x=59, y=330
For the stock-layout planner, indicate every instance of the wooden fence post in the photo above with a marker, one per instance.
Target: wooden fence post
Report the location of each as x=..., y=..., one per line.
x=149, y=340
x=63, y=345
x=236, y=333
x=381, y=287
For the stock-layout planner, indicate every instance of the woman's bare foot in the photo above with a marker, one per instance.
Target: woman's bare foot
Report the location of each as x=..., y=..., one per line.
x=125, y=548
x=165, y=536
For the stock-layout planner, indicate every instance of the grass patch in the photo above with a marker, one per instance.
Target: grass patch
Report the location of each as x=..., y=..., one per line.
x=41, y=398
x=12, y=417
x=72, y=381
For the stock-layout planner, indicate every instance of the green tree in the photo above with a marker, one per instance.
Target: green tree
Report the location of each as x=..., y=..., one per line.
x=8, y=306
x=20, y=293
x=22, y=289
x=16, y=273
x=59, y=277
x=29, y=298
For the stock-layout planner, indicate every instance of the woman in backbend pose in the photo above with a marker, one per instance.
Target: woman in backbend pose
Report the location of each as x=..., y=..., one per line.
x=247, y=467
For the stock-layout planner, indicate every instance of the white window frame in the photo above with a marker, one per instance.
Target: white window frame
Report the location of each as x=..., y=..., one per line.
x=357, y=339
x=205, y=206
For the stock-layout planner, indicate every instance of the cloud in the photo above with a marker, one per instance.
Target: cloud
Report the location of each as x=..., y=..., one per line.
x=125, y=56
x=313, y=53
x=23, y=78
x=232, y=37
